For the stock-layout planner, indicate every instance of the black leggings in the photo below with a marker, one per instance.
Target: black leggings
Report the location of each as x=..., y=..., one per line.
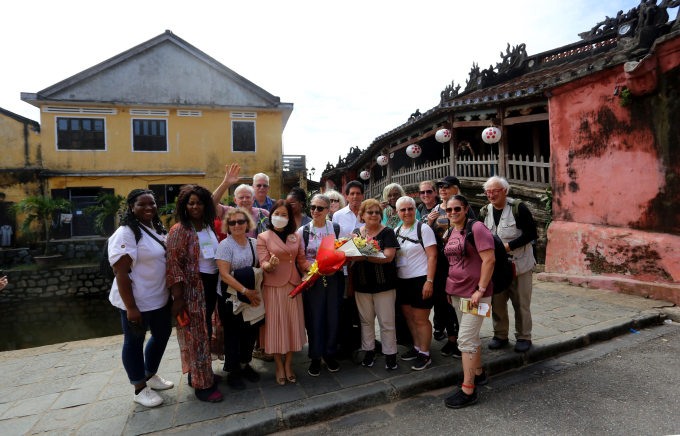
x=444, y=314
x=212, y=300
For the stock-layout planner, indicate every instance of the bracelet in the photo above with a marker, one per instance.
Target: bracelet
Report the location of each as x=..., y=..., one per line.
x=244, y=290
x=466, y=386
x=428, y=280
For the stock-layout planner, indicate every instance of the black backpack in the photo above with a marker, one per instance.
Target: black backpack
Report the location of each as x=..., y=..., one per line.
x=105, y=268
x=419, y=234
x=503, y=271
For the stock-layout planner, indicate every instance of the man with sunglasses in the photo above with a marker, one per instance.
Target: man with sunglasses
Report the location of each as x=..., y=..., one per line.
x=512, y=221
x=261, y=188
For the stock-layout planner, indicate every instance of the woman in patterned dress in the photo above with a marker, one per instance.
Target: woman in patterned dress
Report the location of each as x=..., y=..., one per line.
x=193, y=283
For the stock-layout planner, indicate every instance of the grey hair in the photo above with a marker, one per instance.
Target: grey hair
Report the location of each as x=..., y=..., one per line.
x=242, y=187
x=322, y=198
x=502, y=180
x=260, y=176
x=406, y=199
x=391, y=187
x=335, y=195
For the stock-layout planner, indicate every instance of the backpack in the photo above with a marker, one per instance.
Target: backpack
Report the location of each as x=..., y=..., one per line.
x=305, y=233
x=419, y=234
x=503, y=270
x=105, y=268
x=515, y=210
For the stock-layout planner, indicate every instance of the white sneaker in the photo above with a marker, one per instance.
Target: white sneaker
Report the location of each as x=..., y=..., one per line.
x=159, y=384
x=148, y=398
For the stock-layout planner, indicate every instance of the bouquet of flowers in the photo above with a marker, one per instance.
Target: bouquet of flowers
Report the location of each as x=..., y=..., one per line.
x=328, y=261
x=355, y=245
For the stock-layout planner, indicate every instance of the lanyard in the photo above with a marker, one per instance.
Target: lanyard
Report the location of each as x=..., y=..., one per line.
x=312, y=228
x=204, y=228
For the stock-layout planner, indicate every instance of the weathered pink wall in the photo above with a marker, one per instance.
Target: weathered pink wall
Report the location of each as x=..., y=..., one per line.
x=616, y=173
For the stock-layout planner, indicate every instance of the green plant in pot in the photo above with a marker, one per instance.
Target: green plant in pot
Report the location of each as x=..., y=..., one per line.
x=109, y=205
x=40, y=209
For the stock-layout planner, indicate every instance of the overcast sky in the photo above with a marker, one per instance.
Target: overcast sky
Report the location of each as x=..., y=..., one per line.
x=354, y=70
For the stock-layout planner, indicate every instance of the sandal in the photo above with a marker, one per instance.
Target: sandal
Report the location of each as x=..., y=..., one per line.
x=281, y=380
x=291, y=378
x=209, y=395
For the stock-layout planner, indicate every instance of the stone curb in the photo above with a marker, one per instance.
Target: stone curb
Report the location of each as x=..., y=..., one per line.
x=336, y=404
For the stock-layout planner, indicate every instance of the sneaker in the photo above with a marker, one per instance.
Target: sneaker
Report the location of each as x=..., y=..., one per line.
x=234, y=380
x=369, y=358
x=331, y=364
x=250, y=374
x=460, y=399
x=260, y=354
x=421, y=362
x=148, y=398
x=315, y=368
x=522, y=345
x=480, y=380
x=410, y=354
x=159, y=384
x=451, y=349
x=496, y=343
x=439, y=334
x=391, y=361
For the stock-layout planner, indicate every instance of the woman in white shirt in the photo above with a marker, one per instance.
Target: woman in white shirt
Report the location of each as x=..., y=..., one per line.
x=323, y=300
x=137, y=255
x=416, y=267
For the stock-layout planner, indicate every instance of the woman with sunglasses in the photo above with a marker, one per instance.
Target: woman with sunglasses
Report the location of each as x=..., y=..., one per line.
x=279, y=250
x=390, y=195
x=193, y=277
x=470, y=270
x=429, y=198
x=297, y=198
x=416, y=266
x=323, y=300
x=337, y=202
x=374, y=283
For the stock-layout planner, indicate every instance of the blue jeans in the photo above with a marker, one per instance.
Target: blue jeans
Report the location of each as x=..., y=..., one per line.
x=139, y=362
x=322, y=305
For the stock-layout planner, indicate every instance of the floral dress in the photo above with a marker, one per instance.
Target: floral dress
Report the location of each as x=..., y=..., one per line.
x=194, y=343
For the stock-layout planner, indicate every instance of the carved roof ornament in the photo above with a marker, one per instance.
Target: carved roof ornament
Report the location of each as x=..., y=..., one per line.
x=414, y=115
x=449, y=93
x=648, y=14
x=512, y=58
x=474, y=78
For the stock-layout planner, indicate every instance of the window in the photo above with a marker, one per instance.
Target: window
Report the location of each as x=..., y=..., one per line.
x=81, y=133
x=79, y=110
x=152, y=112
x=149, y=135
x=243, y=136
x=165, y=194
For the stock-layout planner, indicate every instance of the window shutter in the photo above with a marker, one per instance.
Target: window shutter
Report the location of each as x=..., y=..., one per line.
x=152, y=112
x=188, y=113
x=79, y=110
x=243, y=114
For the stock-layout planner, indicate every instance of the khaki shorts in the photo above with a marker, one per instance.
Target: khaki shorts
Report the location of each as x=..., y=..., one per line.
x=470, y=325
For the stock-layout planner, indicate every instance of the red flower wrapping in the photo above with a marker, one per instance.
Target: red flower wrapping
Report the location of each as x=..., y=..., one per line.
x=328, y=261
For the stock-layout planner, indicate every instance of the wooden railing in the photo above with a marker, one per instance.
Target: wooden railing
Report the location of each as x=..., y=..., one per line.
x=376, y=188
x=477, y=167
x=527, y=170
x=432, y=170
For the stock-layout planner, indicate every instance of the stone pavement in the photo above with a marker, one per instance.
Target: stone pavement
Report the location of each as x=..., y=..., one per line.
x=80, y=388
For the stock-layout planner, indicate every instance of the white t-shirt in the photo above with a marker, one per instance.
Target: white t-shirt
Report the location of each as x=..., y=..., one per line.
x=412, y=258
x=208, y=244
x=348, y=222
x=316, y=234
x=148, y=268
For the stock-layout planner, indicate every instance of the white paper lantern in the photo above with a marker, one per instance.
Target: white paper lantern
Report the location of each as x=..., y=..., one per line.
x=443, y=135
x=382, y=160
x=413, y=151
x=365, y=175
x=491, y=135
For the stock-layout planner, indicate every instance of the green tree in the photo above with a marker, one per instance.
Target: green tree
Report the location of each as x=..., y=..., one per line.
x=109, y=204
x=39, y=209
x=169, y=211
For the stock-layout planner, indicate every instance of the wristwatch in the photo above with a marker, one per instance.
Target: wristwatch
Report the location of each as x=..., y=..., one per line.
x=479, y=288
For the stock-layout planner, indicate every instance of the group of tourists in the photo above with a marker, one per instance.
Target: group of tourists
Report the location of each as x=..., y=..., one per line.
x=225, y=274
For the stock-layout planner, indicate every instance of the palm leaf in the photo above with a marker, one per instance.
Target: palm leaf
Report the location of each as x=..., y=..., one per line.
x=39, y=209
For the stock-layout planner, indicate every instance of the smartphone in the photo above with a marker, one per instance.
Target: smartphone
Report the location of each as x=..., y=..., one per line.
x=183, y=318
x=2, y=273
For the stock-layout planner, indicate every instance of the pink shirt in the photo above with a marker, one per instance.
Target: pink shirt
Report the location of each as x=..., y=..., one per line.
x=465, y=272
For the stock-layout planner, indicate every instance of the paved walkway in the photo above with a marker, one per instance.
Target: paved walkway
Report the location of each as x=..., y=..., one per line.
x=80, y=388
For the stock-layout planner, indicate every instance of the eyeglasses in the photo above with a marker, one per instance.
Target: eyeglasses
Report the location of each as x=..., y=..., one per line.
x=428, y=192
x=372, y=212
x=454, y=209
x=494, y=192
x=406, y=209
x=239, y=222
x=319, y=208
x=262, y=186
x=397, y=195
x=334, y=200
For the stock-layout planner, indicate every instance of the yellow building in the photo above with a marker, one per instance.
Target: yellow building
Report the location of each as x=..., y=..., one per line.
x=157, y=116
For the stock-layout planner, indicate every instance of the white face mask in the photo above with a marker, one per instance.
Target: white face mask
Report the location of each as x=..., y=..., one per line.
x=279, y=222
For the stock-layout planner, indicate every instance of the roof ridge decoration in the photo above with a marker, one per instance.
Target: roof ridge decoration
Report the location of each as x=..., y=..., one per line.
x=450, y=92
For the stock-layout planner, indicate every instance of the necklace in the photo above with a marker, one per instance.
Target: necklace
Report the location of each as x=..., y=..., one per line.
x=370, y=237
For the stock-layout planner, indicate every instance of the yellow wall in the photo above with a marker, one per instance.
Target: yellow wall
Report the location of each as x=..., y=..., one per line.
x=196, y=144
x=18, y=177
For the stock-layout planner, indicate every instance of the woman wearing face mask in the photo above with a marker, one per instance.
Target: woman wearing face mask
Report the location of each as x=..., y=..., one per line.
x=323, y=300
x=337, y=202
x=137, y=255
x=193, y=277
x=279, y=250
x=390, y=195
x=298, y=200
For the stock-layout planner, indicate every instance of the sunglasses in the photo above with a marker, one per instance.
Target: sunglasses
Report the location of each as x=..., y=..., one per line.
x=454, y=209
x=239, y=222
x=262, y=186
x=334, y=201
x=445, y=186
x=319, y=208
x=494, y=192
x=372, y=212
x=406, y=209
x=428, y=192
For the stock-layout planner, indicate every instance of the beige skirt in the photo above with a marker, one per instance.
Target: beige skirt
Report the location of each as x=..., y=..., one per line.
x=284, y=326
